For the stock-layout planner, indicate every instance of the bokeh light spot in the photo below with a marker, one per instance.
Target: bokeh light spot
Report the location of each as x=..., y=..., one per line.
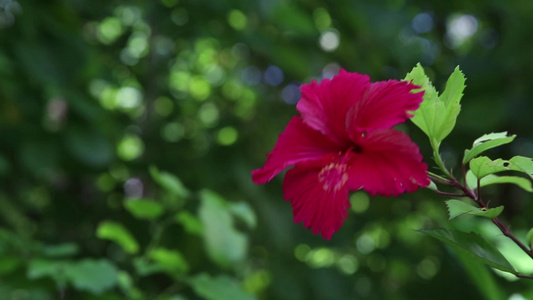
x=422, y=23
x=348, y=264
x=360, y=202
x=251, y=75
x=227, y=136
x=129, y=97
x=130, y=147
x=199, y=88
x=173, y=132
x=322, y=19
x=163, y=106
x=274, y=76
x=237, y=19
x=291, y=94
x=180, y=16
x=459, y=29
x=320, y=258
x=109, y=30
x=365, y=244
x=329, y=40
x=428, y=268
x=301, y=251
x=208, y=114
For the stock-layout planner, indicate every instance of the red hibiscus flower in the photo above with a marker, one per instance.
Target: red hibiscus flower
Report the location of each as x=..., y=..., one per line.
x=344, y=141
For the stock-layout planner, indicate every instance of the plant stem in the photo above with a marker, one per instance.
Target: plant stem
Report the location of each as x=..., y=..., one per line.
x=503, y=228
x=471, y=193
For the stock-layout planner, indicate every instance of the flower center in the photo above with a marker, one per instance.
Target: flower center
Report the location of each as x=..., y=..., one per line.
x=333, y=176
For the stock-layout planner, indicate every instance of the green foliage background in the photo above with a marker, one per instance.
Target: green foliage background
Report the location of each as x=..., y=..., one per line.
x=175, y=102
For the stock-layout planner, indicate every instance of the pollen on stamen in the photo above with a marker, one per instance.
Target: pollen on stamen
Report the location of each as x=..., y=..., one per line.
x=333, y=176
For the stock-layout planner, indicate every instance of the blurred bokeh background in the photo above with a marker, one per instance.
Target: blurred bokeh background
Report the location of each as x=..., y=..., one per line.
x=128, y=133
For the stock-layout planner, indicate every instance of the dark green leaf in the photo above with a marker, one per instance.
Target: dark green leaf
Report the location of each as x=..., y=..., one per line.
x=221, y=287
x=144, y=208
x=117, y=233
x=472, y=245
x=486, y=142
x=482, y=277
x=457, y=208
x=95, y=276
x=61, y=250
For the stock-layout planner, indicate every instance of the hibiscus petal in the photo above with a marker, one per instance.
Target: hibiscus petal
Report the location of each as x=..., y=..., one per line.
x=298, y=143
x=320, y=208
x=385, y=104
x=389, y=164
x=324, y=105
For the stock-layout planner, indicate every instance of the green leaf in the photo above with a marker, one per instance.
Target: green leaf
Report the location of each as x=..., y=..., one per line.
x=457, y=208
x=144, y=208
x=529, y=238
x=116, y=232
x=61, y=250
x=482, y=277
x=171, y=261
x=473, y=246
x=494, y=179
x=424, y=116
x=451, y=97
x=522, y=164
x=169, y=182
x=486, y=142
x=436, y=116
x=483, y=166
x=190, y=222
x=243, y=211
x=95, y=276
x=56, y=270
x=221, y=287
x=224, y=244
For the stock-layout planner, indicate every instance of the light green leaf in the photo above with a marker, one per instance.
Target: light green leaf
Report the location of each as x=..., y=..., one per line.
x=483, y=166
x=437, y=115
x=457, y=208
x=473, y=246
x=529, y=238
x=190, y=222
x=144, y=266
x=486, y=142
x=169, y=182
x=171, y=261
x=522, y=164
x=424, y=116
x=494, y=179
x=224, y=244
x=451, y=97
x=116, y=232
x=221, y=287
x=432, y=186
x=144, y=208
x=95, y=276
x=243, y=211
